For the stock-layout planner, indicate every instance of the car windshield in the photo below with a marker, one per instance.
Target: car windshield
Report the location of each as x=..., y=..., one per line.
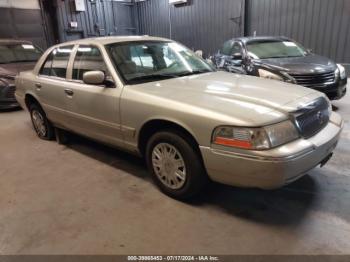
x=147, y=61
x=16, y=53
x=274, y=49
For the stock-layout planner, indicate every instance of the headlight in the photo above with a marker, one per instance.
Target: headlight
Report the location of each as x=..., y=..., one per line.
x=256, y=138
x=269, y=75
x=342, y=72
x=281, y=133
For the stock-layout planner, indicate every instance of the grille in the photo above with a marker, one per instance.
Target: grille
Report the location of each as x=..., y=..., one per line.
x=10, y=92
x=312, y=118
x=314, y=80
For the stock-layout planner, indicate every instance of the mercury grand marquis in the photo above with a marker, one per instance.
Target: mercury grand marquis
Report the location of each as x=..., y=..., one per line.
x=155, y=98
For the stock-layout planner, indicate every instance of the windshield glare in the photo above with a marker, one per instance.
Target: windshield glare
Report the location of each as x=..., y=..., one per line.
x=275, y=49
x=140, y=62
x=15, y=53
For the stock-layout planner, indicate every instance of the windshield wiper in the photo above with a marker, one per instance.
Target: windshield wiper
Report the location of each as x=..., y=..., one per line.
x=195, y=72
x=165, y=76
x=293, y=56
x=20, y=61
x=272, y=57
x=285, y=56
x=152, y=77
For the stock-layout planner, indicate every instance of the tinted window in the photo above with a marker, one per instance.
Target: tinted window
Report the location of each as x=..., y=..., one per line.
x=57, y=62
x=17, y=53
x=237, y=48
x=227, y=48
x=88, y=58
x=274, y=49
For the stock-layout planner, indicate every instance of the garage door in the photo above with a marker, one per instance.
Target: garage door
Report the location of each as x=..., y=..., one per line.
x=22, y=20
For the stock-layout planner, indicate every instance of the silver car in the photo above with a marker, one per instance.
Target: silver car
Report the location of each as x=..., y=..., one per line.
x=155, y=98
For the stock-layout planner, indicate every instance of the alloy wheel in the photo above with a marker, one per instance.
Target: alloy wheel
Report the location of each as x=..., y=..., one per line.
x=39, y=123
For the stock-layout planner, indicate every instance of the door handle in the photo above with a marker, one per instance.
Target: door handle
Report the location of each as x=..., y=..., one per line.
x=69, y=92
x=38, y=86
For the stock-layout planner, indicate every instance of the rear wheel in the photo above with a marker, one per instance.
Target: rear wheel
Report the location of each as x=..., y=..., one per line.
x=175, y=164
x=41, y=124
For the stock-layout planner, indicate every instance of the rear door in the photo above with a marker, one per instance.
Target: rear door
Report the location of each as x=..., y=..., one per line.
x=51, y=84
x=93, y=109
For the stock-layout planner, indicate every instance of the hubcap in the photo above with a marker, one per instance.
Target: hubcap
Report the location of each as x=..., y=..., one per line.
x=169, y=165
x=39, y=123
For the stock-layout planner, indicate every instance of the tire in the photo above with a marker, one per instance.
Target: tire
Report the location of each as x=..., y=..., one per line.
x=175, y=164
x=41, y=124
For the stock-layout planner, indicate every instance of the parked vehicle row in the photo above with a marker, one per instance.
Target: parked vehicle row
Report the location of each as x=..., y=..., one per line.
x=155, y=98
x=282, y=59
x=15, y=56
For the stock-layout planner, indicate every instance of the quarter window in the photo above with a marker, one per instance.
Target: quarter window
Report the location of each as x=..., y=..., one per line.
x=57, y=62
x=88, y=58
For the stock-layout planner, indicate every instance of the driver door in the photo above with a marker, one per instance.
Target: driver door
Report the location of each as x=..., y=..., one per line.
x=93, y=109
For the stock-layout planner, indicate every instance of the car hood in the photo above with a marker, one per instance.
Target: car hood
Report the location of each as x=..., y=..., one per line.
x=9, y=71
x=301, y=65
x=246, y=100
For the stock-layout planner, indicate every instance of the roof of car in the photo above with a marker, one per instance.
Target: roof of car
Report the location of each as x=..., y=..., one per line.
x=260, y=38
x=115, y=39
x=5, y=41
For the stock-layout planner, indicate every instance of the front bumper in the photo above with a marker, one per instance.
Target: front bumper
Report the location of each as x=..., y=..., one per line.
x=8, y=104
x=7, y=97
x=335, y=91
x=272, y=168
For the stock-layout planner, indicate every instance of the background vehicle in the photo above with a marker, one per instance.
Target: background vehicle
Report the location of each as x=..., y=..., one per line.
x=282, y=59
x=15, y=56
x=155, y=98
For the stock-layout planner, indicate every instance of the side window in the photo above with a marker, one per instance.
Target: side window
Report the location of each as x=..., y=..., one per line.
x=88, y=58
x=57, y=62
x=237, y=48
x=227, y=48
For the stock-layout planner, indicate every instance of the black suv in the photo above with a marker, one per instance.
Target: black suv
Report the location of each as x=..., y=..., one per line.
x=282, y=59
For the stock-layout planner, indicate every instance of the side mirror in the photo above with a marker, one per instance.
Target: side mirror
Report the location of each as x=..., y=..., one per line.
x=237, y=56
x=309, y=50
x=94, y=78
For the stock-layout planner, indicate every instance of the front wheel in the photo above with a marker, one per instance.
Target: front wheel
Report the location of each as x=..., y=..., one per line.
x=175, y=164
x=41, y=124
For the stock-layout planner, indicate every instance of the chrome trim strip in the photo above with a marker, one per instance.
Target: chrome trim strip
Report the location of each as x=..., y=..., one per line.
x=261, y=158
